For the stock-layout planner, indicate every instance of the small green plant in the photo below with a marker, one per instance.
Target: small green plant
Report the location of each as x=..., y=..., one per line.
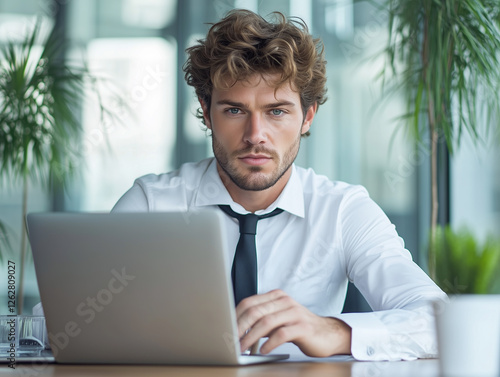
x=465, y=265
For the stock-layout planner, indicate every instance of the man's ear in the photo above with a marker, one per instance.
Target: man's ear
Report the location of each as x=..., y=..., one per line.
x=309, y=117
x=206, y=113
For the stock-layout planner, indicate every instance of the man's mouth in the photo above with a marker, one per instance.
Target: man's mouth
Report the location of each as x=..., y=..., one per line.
x=255, y=159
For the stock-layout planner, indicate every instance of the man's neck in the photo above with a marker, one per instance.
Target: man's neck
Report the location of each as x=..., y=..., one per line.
x=254, y=201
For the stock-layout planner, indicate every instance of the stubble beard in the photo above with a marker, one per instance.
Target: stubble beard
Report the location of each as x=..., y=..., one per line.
x=254, y=179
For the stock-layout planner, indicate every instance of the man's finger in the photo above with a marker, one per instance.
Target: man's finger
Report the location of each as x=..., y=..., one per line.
x=267, y=324
x=253, y=314
x=254, y=300
x=280, y=336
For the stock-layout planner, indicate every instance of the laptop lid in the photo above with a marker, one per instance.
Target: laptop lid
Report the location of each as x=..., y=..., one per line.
x=138, y=288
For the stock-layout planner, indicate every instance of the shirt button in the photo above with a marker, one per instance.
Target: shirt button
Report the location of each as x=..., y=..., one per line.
x=370, y=351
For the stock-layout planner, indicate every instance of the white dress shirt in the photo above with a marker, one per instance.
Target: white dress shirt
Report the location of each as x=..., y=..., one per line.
x=329, y=233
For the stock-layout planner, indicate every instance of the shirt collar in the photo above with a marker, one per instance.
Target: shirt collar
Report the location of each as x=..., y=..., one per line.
x=291, y=198
x=213, y=192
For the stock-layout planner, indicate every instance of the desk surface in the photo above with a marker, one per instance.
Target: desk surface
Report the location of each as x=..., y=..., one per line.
x=418, y=368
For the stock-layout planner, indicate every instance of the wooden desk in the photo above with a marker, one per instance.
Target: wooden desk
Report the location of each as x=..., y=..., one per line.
x=418, y=368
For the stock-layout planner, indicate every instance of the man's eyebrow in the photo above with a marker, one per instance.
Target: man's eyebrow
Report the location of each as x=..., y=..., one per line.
x=230, y=103
x=267, y=106
x=279, y=104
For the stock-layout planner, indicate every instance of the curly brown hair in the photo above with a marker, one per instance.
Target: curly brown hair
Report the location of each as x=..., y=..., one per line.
x=243, y=44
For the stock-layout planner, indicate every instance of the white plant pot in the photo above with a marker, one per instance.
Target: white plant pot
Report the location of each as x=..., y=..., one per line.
x=468, y=330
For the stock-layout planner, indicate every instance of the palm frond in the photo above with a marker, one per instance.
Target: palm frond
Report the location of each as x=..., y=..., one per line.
x=449, y=49
x=39, y=99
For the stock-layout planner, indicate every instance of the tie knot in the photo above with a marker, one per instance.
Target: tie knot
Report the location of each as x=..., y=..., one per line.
x=248, y=222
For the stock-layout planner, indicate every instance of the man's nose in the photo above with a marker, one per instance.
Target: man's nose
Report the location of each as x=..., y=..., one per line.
x=255, y=129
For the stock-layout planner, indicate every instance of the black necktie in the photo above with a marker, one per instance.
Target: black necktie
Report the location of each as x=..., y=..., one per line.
x=244, y=270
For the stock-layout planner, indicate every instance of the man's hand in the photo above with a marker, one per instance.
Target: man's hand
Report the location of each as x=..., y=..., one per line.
x=279, y=317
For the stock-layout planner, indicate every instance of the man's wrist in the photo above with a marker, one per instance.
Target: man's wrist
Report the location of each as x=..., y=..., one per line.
x=341, y=332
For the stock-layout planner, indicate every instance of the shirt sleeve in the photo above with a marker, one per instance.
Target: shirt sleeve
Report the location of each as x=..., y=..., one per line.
x=134, y=200
x=402, y=325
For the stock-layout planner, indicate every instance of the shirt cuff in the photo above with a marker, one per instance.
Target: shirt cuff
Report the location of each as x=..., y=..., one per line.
x=369, y=336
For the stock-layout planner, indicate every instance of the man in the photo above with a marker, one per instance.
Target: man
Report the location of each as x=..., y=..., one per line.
x=259, y=85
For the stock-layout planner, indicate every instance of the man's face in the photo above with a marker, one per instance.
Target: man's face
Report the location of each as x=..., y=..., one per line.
x=256, y=131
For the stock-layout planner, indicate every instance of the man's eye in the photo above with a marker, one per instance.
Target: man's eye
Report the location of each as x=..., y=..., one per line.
x=233, y=111
x=276, y=112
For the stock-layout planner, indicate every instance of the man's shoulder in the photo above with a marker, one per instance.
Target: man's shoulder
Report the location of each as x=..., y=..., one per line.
x=189, y=174
x=319, y=185
x=174, y=190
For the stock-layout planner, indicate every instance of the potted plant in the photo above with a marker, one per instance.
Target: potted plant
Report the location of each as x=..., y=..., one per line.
x=468, y=326
x=40, y=93
x=444, y=55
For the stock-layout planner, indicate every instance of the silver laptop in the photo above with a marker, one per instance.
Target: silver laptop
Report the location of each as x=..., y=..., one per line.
x=137, y=288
